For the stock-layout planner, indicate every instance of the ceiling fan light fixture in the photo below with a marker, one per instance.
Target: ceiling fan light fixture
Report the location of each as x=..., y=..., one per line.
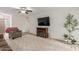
x=21, y=11
x=29, y=8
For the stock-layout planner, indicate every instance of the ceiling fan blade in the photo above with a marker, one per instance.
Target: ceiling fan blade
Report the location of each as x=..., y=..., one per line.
x=26, y=12
x=29, y=10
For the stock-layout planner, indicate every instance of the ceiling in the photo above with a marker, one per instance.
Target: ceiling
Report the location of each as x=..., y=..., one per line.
x=36, y=10
x=11, y=10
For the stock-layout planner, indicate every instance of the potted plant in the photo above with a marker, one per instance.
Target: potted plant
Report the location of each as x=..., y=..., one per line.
x=66, y=37
x=70, y=26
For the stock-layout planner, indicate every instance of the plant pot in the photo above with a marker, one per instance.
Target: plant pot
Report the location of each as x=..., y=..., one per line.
x=73, y=41
x=65, y=35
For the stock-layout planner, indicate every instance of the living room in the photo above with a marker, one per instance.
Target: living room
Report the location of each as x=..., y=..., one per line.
x=28, y=24
x=39, y=29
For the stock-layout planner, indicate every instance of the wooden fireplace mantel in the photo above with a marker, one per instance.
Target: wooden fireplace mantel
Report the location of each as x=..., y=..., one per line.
x=42, y=32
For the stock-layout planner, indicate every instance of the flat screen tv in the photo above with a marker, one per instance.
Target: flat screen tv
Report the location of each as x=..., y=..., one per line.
x=43, y=21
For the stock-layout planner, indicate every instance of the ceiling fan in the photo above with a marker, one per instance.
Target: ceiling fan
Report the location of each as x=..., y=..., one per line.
x=25, y=10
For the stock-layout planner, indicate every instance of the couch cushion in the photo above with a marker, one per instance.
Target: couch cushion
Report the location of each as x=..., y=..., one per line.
x=12, y=29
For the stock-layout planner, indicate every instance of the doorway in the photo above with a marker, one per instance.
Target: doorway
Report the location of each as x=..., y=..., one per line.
x=2, y=26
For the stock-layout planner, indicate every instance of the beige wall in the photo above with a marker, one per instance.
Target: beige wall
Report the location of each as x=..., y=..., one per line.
x=2, y=26
x=21, y=22
x=57, y=18
x=16, y=19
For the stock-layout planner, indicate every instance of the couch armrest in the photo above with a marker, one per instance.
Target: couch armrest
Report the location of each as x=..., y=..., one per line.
x=6, y=35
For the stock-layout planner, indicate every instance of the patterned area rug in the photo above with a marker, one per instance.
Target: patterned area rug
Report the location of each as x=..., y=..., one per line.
x=4, y=46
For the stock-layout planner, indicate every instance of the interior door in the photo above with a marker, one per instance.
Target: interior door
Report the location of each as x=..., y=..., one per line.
x=2, y=26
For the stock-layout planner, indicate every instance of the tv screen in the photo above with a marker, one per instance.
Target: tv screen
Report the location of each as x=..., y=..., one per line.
x=43, y=21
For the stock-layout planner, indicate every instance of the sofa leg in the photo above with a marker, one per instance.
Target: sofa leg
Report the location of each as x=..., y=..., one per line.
x=13, y=38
